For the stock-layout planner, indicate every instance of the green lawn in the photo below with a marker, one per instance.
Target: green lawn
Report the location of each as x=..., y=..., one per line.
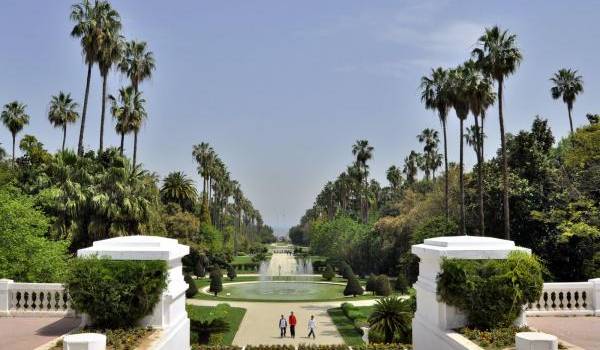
x=345, y=326
x=233, y=316
x=242, y=259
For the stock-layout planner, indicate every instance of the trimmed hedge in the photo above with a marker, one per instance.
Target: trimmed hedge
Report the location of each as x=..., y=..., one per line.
x=383, y=346
x=491, y=292
x=115, y=293
x=322, y=347
x=270, y=347
x=192, y=288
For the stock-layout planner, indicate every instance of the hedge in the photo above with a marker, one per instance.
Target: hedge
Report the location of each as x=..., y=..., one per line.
x=115, y=293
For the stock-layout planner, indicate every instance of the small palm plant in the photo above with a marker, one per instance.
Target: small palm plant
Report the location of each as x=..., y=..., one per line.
x=391, y=316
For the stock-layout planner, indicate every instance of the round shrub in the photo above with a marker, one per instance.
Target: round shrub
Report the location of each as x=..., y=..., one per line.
x=231, y=273
x=371, y=285
x=382, y=285
x=353, y=314
x=491, y=292
x=115, y=293
x=401, y=283
x=192, y=288
x=216, y=281
x=353, y=286
x=328, y=274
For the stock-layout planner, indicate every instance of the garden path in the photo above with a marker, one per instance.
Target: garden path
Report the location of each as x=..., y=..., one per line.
x=260, y=323
x=581, y=331
x=26, y=333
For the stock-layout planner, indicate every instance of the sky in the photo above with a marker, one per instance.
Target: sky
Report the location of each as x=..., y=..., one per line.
x=282, y=89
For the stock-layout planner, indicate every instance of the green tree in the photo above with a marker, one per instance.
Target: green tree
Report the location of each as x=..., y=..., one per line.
x=231, y=273
x=498, y=57
x=138, y=63
x=178, y=188
x=363, y=153
x=567, y=84
x=128, y=110
x=431, y=158
x=394, y=176
x=216, y=281
x=391, y=316
x=329, y=273
x=353, y=286
x=371, y=285
x=411, y=167
x=62, y=112
x=382, y=285
x=14, y=119
x=435, y=94
x=192, y=288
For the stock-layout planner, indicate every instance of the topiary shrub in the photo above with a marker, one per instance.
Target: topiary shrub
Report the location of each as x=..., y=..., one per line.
x=328, y=274
x=353, y=286
x=371, y=284
x=216, y=281
x=382, y=285
x=491, y=292
x=401, y=283
x=345, y=270
x=115, y=293
x=231, y=274
x=192, y=288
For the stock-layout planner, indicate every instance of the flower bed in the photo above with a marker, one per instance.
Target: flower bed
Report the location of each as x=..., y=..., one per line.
x=117, y=339
x=494, y=339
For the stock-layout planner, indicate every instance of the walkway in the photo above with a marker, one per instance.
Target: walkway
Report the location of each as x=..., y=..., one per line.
x=580, y=331
x=259, y=325
x=26, y=333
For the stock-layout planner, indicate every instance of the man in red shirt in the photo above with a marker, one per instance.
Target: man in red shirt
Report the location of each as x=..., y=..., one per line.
x=292, y=322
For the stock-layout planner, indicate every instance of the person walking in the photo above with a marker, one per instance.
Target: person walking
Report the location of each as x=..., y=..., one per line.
x=282, y=327
x=292, y=322
x=312, y=325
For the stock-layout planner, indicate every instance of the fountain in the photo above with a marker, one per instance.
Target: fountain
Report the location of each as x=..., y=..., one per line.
x=286, y=266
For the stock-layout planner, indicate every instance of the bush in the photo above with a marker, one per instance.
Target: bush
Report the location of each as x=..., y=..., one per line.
x=205, y=329
x=270, y=347
x=192, y=288
x=216, y=281
x=347, y=307
x=353, y=286
x=353, y=314
x=491, y=292
x=322, y=347
x=115, y=293
x=328, y=274
x=215, y=347
x=231, y=274
x=382, y=286
x=345, y=270
x=371, y=284
x=435, y=227
x=401, y=283
x=497, y=338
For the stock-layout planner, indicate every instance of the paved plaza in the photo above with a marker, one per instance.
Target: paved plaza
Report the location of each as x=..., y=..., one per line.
x=27, y=333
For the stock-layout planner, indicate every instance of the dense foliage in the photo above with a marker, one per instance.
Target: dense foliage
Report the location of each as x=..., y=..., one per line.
x=115, y=293
x=491, y=292
x=392, y=317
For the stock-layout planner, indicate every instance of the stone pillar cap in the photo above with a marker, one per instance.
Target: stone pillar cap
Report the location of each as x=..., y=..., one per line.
x=466, y=247
x=137, y=248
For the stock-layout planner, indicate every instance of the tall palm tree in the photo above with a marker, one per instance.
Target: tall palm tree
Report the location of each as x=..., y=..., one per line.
x=203, y=153
x=394, y=176
x=411, y=167
x=430, y=139
x=459, y=79
x=391, y=316
x=14, y=118
x=435, y=94
x=180, y=189
x=128, y=110
x=567, y=84
x=62, y=111
x=138, y=64
x=363, y=152
x=110, y=54
x=498, y=57
x=481, y=97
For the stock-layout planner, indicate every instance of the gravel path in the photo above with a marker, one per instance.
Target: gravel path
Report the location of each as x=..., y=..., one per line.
x=260, y=323
x=581, y=331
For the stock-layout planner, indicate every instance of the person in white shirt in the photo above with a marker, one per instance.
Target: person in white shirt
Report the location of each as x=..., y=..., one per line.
x=312, y=325
x=282, y=326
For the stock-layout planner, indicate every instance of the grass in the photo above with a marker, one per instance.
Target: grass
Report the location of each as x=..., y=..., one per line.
x=345, y=326
x=242, y=259
x=232, y=315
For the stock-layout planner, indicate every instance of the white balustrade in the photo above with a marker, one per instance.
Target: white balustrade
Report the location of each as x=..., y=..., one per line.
x=34, y=299
x=568, y=298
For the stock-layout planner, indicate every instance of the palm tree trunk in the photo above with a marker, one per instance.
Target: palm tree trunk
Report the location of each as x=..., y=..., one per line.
x=504, y=164
x=13, y=148
x=135, y=141
x=83, y=113
x=122, y=143
x=101, y=146
x=64, y=136
x=478, y=141
x=446, y=207
x=462, y=181
x=570, y=119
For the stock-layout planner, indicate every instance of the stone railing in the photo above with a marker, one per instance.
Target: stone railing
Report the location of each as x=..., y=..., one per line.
x=568, y=298
x=33, y=299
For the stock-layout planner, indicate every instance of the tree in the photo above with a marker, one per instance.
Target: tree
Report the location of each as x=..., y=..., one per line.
x=128, y=109
x=363, y=152
x=435, y=94
x=138, y=63
x=62, y=112
x=192, y=288
x=391, y=316
x=178, y=188
x=371, y=285
x=231, y=273
x=353, y=286
x=593, y=118
x=382, y=285
x=431, y=157
x=498, y=57
x=216, y=281
x=567, y=84
x=394, y=176
x=328, y=274
x=14, y=118
x=401, y=284
x=411, y=167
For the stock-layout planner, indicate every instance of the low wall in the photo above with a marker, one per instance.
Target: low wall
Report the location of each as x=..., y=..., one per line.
x=568, y=299
x=34, y=300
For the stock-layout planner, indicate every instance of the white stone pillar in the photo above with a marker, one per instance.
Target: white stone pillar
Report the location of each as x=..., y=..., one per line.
x=169, y=314
x=434, y=317
x=84, y=341
x=535, y=341
x=595, y=295
x=5, y=296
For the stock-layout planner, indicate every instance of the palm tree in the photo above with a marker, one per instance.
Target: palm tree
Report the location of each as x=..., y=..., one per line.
x=363, y=152
x=203, y=154
x=435, y=95
x=180, y=189
x=567, y=84
x=431, y=139
x=498, y=57
x=394, y=176
x=128, y=110
x=14, y=118
x=411, y=167
x=110, y=54
x=459, y=79
x=137, y=63
x=62, y=112
x=391, y=315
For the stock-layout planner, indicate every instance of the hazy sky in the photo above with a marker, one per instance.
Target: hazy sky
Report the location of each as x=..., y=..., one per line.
x=282, y=89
